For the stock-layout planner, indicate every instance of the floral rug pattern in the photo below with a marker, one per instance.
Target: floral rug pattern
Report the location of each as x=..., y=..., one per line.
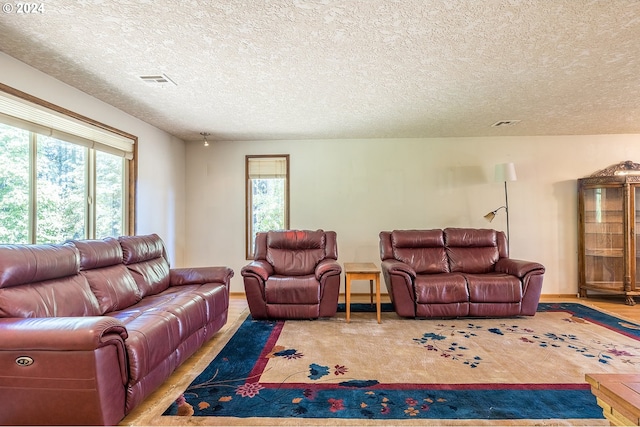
x=257, y=375
x=604, y=352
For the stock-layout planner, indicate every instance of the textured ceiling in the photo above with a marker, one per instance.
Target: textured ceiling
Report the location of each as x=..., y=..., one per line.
x=298, y=69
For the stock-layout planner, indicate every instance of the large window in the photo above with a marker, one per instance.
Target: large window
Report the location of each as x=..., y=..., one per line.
x=60, y=190
x=14, y=185
x=267, y=196
x=60, y=178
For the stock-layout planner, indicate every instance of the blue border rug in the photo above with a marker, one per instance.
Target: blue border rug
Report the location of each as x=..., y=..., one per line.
x=231, y=385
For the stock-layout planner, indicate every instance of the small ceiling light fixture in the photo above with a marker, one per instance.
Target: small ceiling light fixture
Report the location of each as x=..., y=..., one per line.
x=204, y=138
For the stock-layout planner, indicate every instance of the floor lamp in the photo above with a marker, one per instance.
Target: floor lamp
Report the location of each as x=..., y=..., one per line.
x=504, y=172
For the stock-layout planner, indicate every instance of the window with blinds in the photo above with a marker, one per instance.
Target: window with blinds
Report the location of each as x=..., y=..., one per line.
x=62, y=176
x=267, y=196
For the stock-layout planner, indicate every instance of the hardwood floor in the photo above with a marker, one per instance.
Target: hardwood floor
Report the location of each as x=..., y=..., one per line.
x=148, y=412
x=610, y=304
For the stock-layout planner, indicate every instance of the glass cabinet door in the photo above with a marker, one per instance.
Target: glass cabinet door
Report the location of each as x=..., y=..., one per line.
x=634, y=244
x=604, y=237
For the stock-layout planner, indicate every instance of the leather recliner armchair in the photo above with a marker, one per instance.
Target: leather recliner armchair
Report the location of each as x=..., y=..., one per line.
x=294, y=275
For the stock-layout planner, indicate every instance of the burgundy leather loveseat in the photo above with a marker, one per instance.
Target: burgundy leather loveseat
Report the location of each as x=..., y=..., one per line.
x=294, y=275
x=88, y=329
x=457, y=272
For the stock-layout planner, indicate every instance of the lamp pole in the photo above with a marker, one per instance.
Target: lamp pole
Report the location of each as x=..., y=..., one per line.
x=506, y=204
x=506, y=172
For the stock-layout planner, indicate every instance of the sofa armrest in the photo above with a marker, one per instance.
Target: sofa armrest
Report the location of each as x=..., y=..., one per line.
x=200, y=275
x=329, y=267
x=393, y=266
x=260, y=269
x=56, y=333
x=517, y=267
x=65, y=334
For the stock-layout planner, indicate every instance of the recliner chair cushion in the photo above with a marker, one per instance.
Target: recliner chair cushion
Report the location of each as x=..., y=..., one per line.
x=295, y=253
x=279, y=290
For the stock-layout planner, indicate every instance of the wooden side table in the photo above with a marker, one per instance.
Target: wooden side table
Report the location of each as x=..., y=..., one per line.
x=619, y=397
x=361, y=271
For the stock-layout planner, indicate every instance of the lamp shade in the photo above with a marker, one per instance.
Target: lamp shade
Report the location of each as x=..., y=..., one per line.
x=489, y=217
x=505, y=172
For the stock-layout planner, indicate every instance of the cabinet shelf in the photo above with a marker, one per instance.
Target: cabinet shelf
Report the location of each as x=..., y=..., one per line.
x=612, y=253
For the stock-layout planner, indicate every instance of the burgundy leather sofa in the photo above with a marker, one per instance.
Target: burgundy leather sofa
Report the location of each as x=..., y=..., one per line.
x=88, y=329
x=457, y=272
x=294, y=275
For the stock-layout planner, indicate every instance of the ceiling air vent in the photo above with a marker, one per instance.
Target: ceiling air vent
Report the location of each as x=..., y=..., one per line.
x=159, y=79
x=504, y=123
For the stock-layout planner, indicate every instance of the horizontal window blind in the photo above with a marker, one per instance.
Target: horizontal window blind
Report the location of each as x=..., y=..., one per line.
x=45, y=121
x=267, y=167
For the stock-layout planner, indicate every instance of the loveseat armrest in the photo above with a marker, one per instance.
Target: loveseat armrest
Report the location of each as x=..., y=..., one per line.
x=258, y=268
x=393, y=266
x=328, y=267
x=399, y=278
x=200, y=275
x=65, y=334
x=518, y=267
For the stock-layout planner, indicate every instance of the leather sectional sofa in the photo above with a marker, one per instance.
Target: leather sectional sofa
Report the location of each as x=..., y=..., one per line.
x=457, y=272
x=89, y=329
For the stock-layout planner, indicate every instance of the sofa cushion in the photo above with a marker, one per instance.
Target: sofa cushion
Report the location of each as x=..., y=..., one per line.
x=295, y=252
x=441, y=288
x=114, y=287
x=20, y=264
x=110, y=280
x=98, y=253
x=145, y=257
x=43, y=281
x=158, y=324
x=495, y=288
x=141, y=248
x=423, y=250
x=215, y=296
x=66, y=297
x=471, y=250
x=454, y=309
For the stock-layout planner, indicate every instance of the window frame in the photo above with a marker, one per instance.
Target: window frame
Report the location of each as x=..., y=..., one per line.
x=130, y=170
x=249, y=243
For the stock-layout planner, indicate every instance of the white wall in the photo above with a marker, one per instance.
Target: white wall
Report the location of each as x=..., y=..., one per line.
x=355, y=187
x=360, y=187
x=161, y=157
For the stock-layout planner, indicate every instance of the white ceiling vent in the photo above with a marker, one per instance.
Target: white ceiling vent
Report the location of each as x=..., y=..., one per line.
x=158, y=79
x=504, y=123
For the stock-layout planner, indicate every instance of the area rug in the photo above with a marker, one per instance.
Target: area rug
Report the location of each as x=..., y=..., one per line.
x=525, y=370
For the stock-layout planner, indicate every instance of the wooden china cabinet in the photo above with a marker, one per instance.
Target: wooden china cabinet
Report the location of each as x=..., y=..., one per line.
x=609, y=220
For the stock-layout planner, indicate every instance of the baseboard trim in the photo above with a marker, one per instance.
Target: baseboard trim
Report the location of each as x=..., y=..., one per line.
x=386, y=295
